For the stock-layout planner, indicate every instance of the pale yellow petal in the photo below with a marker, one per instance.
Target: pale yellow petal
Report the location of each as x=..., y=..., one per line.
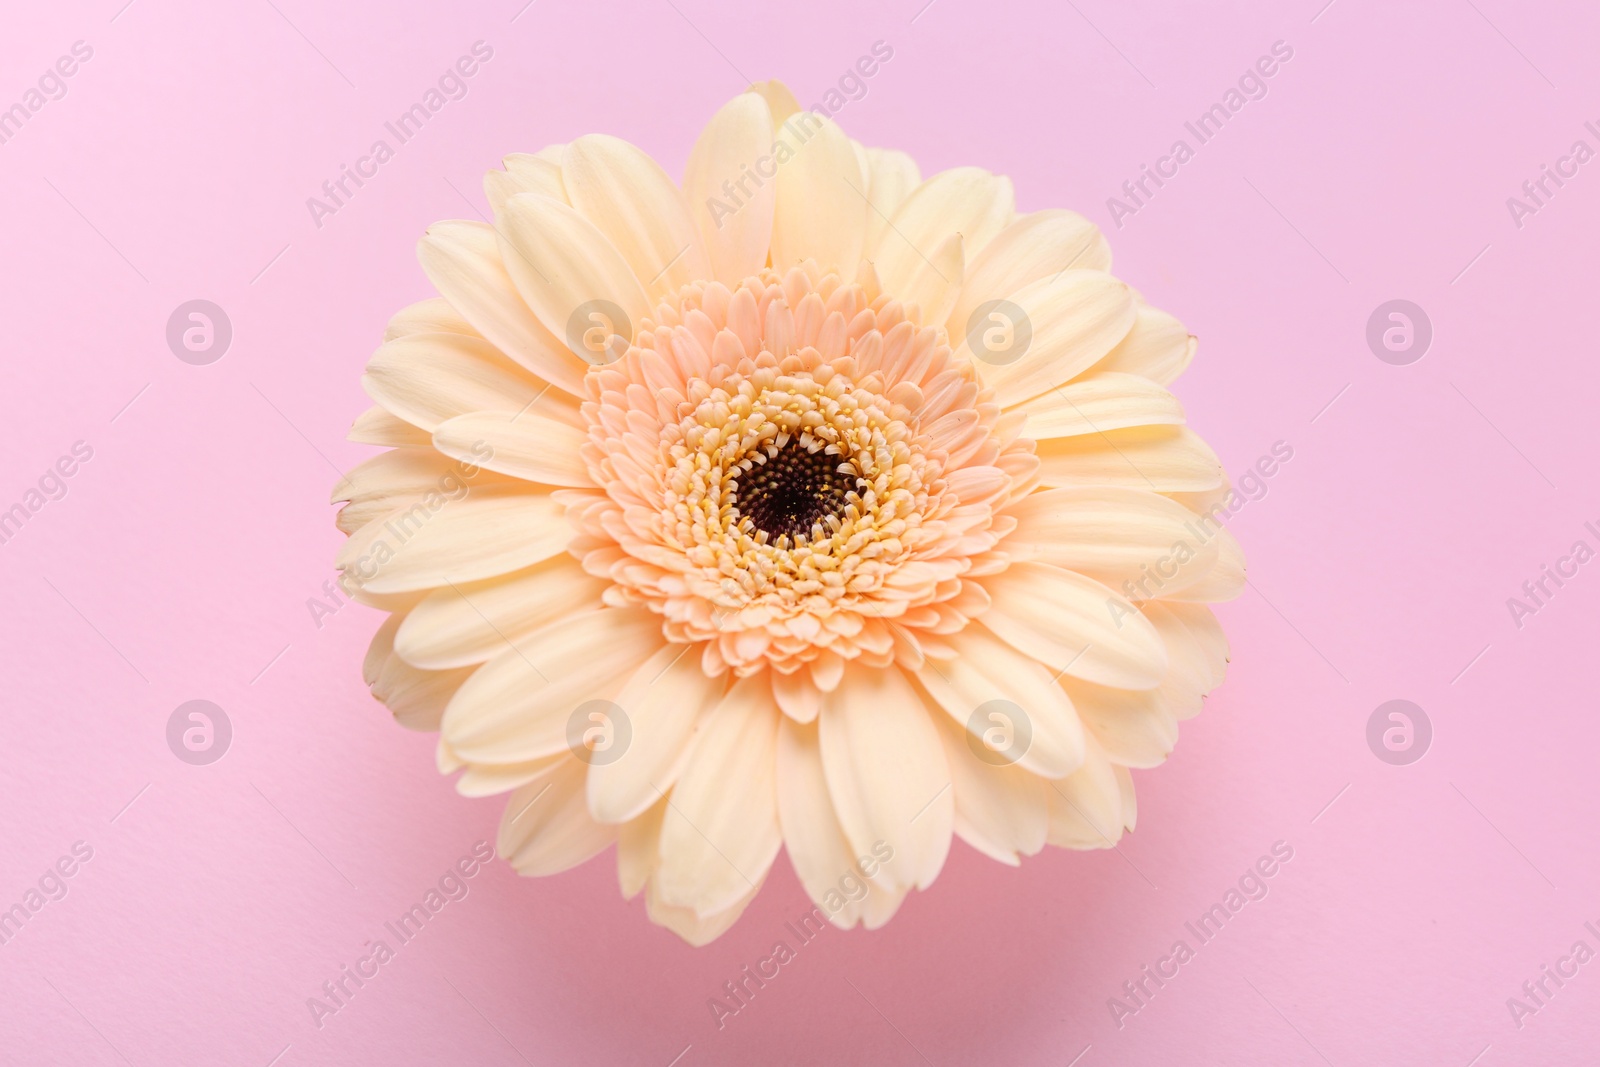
x=630, y=199
x=663, y=700
x=1074, y=624
x=1086, y=808
x=1100, y=402
x=731, y=186
x=1138, y=542
x=546, y=828
x=695, y=929
x=1033, y=247
x=1157, y=347
x=472, y=622
x=891, y=178
x=1001, y=809
x=519, y=705
x=416, y=698
x=639, y=849
x=375, y=426
x=720, y=832
x=1067, y=324
x=427, y=378
x=821, y=208
x=524, y=445
x=568, y=272
x=463, y=260
x=1047, y=738
x=538, y=172
x=965, y=201
x=887, y=772
x=441, y=539
x=435, y=315
x=818, y=849
x=1162, y=459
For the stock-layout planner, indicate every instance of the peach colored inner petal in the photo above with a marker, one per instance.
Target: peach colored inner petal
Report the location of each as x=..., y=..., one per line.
x=795, y=473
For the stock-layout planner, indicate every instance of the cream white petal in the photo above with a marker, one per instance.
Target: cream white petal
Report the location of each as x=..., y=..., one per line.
x=630, y=199
x=694, y=928
x=968, y=201
x=1223, y=581
x=1157, y=347
x=1073, y=318
x=1100, y=402
x=1163, y=459
x=780, y=101
x=375, y=426
x=881, y=904
x=1074, y=624
x=417, y=698
x=427, y=378
x=490, y=779
x=1001, y=809
x=639, y=849
x=663, y=700
x=1086, y=808
x=887, y=773
x=518, y=705
x=463, y=260
x=1130, y=803
x=720, y=832
x=435, y=315
x=1032, y=247
x=1137, y=728
x=526, y=173
x=821, y=207
x=381, y=483
x=563, y=265
x=818, y=850
x=986, y=669
x=1203, y=626
x=891, y=178
x=525, y=445
x=381, y=647
x=440, y=540
x=1114, y=535
x=934, y=285
x=546, y=828
x=797, y=695
x=730, y=198
x=471, y=622
x=1192, y=667
x=402, y=472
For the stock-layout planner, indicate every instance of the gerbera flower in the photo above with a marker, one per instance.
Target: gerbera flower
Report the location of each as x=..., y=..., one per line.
x=813, y=504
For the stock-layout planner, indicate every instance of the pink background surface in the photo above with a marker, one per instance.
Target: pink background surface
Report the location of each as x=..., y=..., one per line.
x=178, y=565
